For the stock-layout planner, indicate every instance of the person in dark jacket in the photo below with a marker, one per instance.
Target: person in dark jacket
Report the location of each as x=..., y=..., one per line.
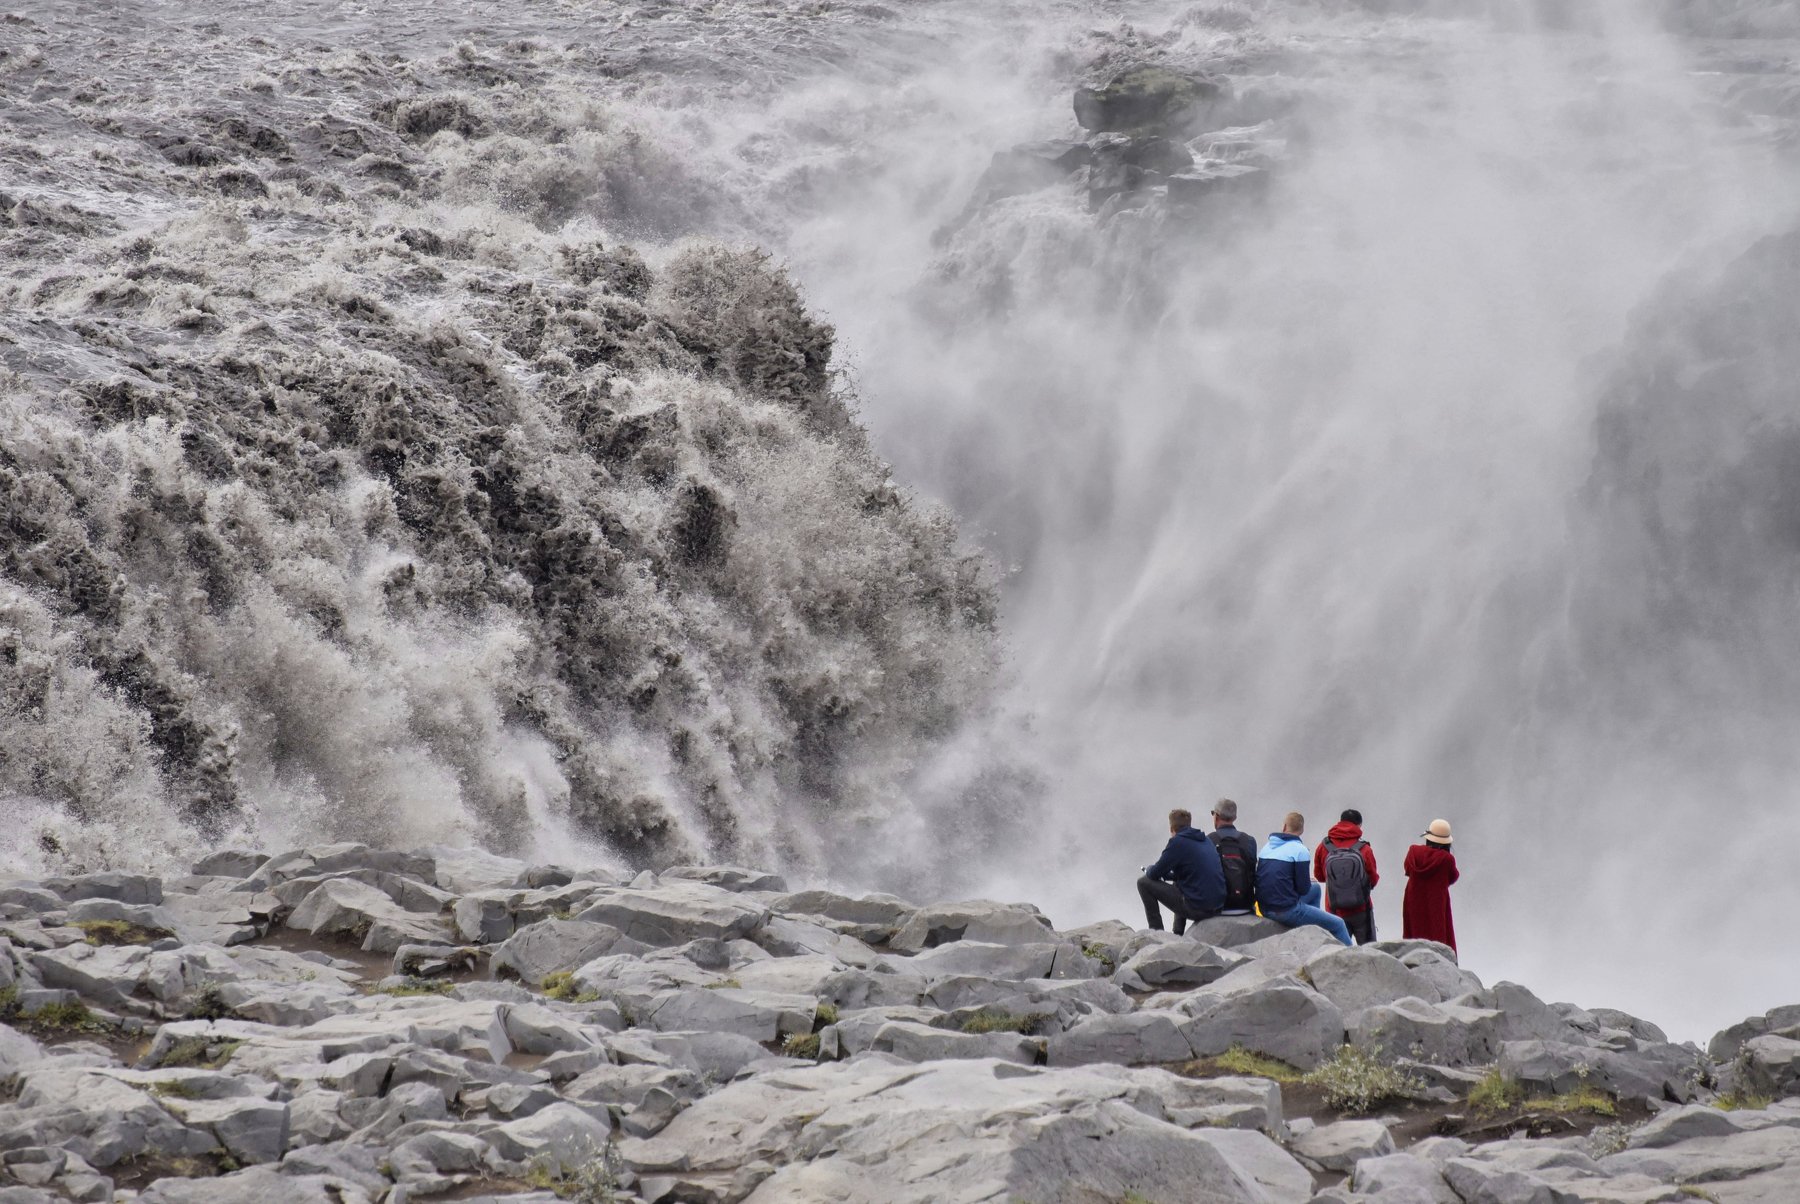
x=1186, y=879
x=1284, y=888
x=1237, y=857
x=1430, y=870
x=1357, y=908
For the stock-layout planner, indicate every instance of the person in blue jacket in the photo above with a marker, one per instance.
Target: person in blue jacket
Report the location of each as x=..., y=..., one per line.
x=1284, y=887
x=1187, y=879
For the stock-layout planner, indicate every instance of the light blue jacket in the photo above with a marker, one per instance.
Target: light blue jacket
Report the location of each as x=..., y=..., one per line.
x=1283, y=873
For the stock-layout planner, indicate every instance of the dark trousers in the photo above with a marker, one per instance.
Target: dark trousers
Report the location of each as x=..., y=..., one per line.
x=1168, y=895
x=1361, y=926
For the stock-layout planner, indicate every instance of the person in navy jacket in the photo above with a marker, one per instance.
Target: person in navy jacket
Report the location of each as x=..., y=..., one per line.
x=1187, y=879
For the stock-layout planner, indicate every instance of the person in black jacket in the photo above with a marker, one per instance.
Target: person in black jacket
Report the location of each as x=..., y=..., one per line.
x=1187, y=879
x=1237, y=857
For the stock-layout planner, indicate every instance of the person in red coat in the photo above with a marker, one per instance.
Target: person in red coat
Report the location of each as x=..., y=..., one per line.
x=1430, y=869
x=1357, y=911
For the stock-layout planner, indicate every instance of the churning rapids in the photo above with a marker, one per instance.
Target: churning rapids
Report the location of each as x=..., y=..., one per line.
x=471, y=423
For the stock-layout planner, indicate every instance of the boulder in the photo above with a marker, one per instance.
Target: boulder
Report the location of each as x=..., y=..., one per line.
x=1554, y=1067
x=1771, y=1065
x=1444, y=1034
x=1401, y=1176
x=229, y=863
x=1478, y=1182
x=1448, y=979
x=256, y=1185
x=975, y=920
x=1341, y=1145
x=848, y=990
x=1261, y=1161
x=727, y=877
x=1178, y=963
x=1294, y=1024
x=250, y=1130
x=357, y=910
x=1011, y=962
x=1139, y=1038
x=674, y=913
x=1783, y=1021
x=562, y=1135
x=1301, y=942
x=753, y=1014
x=1030, y=166
x=875, y=911
x=1359, y=977
x=1144, y=98
x=106, y=974
x=466, y=871
x=124, y=888
x=916, y=1042
x=557, y=946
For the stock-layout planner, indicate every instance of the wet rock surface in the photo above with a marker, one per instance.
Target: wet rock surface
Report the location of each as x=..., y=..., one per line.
x=718, y=1037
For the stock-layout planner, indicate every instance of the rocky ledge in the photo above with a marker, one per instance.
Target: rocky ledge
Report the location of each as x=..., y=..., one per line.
x=342, y=1024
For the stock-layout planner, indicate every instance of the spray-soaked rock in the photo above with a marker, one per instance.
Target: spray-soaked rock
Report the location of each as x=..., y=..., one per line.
x=1142, y=99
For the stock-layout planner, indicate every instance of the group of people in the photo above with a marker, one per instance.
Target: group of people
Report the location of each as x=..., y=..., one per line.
x=1223, y=873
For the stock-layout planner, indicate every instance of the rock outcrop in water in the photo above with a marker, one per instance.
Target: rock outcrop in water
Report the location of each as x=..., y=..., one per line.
x=348, y=489
x=344, y=1024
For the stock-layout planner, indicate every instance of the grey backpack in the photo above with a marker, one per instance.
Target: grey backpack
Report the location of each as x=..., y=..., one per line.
x=1346, y=878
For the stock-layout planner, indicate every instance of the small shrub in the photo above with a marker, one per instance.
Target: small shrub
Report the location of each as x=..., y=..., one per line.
x=118, y=932
x=1607, y=1140
x=207, y=1004
x=725, y=984
x=1099, y=954
x=825, y=1014
x=593, y=1179
x=417, y=986
x=174, y=1090
x=1736, y=1101
x=802, y=1046
x=203, y=1053
x=1356, y=1081
x=9, y=1003
x=561, y=987
x=64, y=1018
x=1590, y=1100
x=1240, y=1061
x=1495, y=1093
x=993, y=1020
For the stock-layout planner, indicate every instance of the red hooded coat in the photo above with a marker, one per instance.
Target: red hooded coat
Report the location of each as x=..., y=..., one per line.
x=1430, y=869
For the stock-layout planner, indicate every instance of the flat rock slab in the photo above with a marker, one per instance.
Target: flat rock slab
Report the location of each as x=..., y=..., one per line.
x=976, y=920
x=1341, y=1145
x=674, y=913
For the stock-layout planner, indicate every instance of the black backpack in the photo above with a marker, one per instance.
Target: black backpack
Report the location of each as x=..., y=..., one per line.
x=1347, y=878
x=1240, y=877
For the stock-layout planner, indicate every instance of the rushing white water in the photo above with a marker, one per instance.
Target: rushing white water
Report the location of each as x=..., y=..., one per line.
x=1447, y=477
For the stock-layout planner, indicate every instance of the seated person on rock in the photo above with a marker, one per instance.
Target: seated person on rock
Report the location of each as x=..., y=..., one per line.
x=1186, y=879
x=1237, y=857
x=1284, y=887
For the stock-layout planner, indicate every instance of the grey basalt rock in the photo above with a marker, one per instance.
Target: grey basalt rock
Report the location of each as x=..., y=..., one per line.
x=1782, y=1021
x=1359, y=978
x=1178, y=963
x=1141, y=1038
x=230, y=863
x=1401, y=1176
x=1012, y=962
x=124, y=888
x=557, y=946
x=728, y=877
x=754, y=1014
x=1771, y=1065
x=1444, y=1034
x=675, y=912
x=348, y=908
x=1293, y=1023
x=1342, y=1144
x=974, y=920
x=873, y=910
x=250, y=1130
x=1233, y=932
x=1658, y=1072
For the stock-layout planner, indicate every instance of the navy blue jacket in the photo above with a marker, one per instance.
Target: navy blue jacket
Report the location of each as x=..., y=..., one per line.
x=1192, y=864
x=1283, y=874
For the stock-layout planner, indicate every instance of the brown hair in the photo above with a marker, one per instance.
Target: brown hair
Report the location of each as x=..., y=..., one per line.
x=1179, y=818
x=1294, y=824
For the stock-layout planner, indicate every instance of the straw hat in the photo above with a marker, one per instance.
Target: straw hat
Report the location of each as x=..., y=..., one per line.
x=1438, y=832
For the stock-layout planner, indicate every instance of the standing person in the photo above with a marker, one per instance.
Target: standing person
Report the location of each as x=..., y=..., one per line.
x=1430, y=869
x=1237, y=857
x=1186, y=879
x=1285, y=889
x=1345, y=863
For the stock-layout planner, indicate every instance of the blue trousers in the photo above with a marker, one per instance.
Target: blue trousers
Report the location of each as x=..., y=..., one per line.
x=1308, y=911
